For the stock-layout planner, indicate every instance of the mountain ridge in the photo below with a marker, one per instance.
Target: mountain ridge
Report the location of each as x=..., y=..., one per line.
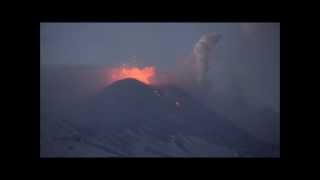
x=130, y=118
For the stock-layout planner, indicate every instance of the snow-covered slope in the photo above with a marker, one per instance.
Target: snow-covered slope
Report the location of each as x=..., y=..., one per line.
x=129, y=119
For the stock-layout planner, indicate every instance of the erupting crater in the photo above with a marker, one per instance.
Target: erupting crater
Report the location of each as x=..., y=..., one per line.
x=145, y=74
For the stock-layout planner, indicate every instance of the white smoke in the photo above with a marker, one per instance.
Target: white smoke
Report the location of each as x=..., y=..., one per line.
x=191, y=72
x=202, y=52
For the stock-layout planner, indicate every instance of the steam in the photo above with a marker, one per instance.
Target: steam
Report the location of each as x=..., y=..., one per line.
x=202, y=56
x=191, y=72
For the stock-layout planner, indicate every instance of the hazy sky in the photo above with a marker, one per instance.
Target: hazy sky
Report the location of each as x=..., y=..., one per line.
x=157, y=43
x=248, y=52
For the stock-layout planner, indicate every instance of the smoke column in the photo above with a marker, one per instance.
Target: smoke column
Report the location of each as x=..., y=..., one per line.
x=202, y=57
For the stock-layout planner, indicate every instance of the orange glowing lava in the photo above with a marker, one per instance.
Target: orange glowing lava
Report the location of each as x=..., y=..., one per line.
x=145, y=75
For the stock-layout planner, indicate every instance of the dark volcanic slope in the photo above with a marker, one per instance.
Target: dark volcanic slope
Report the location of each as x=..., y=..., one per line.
x=129, y=118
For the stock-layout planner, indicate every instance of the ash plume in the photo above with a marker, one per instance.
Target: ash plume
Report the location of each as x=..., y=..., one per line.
x=202, y=56
x=192, y=71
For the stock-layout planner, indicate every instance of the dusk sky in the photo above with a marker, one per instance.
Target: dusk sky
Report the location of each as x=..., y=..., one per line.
x=160, y=89
x=249, y=52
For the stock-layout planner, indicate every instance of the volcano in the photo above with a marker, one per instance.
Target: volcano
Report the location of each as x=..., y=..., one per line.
x=132, y=119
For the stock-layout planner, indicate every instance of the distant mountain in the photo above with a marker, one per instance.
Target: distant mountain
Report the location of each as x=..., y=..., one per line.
x=129, y=118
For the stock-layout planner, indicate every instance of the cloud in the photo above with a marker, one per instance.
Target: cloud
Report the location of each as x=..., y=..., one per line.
x=191, y=71
x=202, y=55
x=252, y=30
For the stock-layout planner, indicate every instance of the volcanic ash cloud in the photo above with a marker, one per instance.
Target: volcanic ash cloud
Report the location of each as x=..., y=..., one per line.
x=202, y=56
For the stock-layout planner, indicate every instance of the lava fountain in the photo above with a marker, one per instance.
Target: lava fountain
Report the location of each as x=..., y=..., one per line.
x=145, y=74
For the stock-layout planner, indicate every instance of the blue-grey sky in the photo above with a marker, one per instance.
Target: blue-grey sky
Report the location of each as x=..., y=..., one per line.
x=248, y=53
x=159, y=43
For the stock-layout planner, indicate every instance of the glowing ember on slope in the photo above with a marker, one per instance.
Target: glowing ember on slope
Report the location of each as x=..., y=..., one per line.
x=145, y=75
x=177, y=104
